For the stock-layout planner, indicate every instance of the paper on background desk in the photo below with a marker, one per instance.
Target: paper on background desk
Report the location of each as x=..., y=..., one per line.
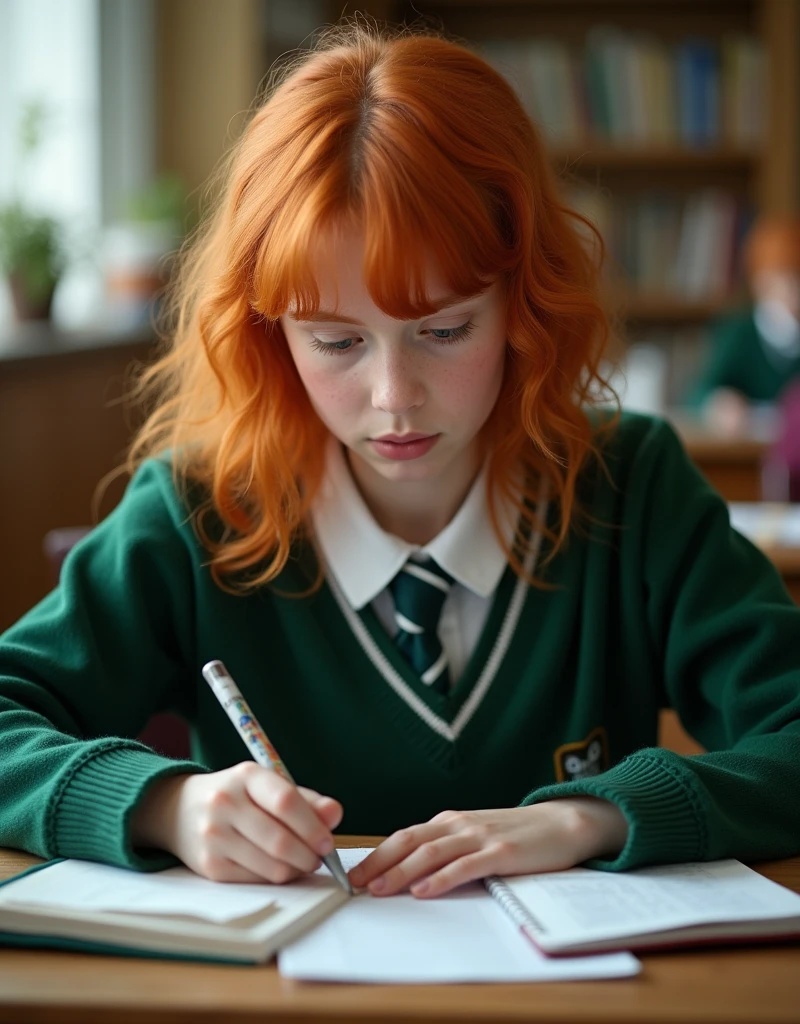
x=767, y=523
x=463, y=937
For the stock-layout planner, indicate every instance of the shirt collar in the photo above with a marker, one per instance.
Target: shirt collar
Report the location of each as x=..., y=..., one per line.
x=364, y=558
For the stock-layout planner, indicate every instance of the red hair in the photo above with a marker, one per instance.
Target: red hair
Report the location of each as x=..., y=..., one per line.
x=427, y=149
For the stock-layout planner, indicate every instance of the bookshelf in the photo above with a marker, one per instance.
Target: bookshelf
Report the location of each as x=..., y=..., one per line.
x=700, y=131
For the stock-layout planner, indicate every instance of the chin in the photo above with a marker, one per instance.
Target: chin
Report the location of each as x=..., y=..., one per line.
x=409, y=472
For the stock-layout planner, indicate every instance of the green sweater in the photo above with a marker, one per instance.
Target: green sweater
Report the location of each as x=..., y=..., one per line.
x=742, y=360
x=654, y=602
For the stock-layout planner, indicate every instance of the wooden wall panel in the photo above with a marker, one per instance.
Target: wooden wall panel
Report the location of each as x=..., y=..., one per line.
x=61, y=431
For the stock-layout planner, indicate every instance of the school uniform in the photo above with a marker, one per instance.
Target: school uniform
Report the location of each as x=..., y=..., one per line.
x=756, y=353
x=654, y=601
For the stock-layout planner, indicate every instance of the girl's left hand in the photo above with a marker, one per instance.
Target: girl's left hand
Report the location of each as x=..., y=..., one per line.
x=460, y=846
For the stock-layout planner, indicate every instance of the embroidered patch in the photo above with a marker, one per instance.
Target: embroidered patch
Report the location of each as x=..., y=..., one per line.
x=583, y=759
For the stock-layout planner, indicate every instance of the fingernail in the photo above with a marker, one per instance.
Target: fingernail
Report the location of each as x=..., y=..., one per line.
x=378, y=885
x=325, y=847
x=420, y=888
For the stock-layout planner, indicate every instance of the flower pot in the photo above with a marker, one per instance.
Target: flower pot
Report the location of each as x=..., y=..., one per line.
x=29, y=306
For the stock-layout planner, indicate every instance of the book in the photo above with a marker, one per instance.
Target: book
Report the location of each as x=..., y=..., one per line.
x=171, y=913
x=584, y=911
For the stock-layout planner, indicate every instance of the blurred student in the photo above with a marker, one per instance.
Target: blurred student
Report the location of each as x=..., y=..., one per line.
x=756, y=353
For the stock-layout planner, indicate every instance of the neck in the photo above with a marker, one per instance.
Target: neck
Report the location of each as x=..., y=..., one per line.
x=416, y=511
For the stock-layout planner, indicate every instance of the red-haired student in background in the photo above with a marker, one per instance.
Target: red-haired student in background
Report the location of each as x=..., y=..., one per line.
x=454, y=593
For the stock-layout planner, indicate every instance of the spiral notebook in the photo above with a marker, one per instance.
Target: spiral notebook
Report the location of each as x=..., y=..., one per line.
x=541, y=927
x=575, y=912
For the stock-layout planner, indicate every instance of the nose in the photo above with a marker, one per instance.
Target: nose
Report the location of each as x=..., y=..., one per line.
x=397, y=383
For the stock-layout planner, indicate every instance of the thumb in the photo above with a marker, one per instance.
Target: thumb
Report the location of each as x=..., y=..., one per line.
x=330, y=811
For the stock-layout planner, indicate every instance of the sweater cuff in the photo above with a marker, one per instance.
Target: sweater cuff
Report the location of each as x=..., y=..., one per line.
x=665, y=818
x=91, y=816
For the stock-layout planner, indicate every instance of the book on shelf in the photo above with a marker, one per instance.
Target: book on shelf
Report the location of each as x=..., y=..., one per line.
x=680, y=245
x=635, y=90
x=527, y=927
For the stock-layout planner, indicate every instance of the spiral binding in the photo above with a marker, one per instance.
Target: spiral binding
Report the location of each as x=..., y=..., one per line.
x=516, y=910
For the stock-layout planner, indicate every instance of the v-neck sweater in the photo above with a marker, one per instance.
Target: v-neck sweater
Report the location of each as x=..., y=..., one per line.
x=655, y=601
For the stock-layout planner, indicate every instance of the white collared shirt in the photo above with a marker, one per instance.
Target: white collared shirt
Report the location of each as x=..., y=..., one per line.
x=364, y=559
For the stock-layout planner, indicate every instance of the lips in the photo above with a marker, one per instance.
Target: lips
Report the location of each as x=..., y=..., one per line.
x=403, y=447
x=401, y=438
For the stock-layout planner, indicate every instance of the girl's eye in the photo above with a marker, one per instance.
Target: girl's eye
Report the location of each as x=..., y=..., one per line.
x=333, y=348
x=450, y=335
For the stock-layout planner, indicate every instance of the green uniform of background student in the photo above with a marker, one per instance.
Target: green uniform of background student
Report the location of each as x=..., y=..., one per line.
x=755, y=353
x=387, y=343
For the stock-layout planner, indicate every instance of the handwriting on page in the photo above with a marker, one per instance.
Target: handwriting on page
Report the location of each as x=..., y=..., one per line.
x=582, y=903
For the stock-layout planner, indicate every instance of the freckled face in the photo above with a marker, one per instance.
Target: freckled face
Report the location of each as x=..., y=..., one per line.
x=407, y=398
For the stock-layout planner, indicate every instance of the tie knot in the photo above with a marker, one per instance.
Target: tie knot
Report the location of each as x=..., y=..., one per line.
x=419, y=591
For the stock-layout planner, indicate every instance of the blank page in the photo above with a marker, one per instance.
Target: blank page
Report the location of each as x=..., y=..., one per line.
x=461, y=937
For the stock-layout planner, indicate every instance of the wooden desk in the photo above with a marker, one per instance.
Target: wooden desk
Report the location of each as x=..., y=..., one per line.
x=733, y=465
x=737, y=986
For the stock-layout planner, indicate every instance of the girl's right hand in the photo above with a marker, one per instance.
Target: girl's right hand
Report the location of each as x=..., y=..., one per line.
x=243, y=824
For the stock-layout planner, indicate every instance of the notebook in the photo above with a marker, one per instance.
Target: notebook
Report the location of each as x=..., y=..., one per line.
x=171, y=913
x=582, y=911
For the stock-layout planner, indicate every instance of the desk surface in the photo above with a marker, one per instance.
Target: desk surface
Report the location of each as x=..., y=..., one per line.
x=756, y=985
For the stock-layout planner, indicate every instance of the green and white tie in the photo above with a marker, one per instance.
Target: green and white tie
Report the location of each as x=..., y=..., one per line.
x=419, y=592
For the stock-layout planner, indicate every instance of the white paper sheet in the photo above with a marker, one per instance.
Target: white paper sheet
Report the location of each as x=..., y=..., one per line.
x=83, y=885
x=463, y=937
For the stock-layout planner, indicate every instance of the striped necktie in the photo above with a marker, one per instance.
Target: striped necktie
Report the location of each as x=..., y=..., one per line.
x=419, y=592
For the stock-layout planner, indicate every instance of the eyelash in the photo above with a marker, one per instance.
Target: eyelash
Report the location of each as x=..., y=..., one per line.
x=456, y=334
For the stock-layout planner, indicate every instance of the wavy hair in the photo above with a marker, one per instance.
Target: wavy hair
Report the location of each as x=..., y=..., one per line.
x=427, y=149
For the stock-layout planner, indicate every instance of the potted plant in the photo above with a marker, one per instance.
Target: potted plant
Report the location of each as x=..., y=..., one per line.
x=32, y=255
x=138, y=249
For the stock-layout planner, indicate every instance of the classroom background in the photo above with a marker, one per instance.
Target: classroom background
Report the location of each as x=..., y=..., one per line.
x=673, y=124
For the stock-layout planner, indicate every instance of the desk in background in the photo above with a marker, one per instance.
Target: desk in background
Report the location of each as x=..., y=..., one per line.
x=775, y=528
x=731, y=463
x=756, y=985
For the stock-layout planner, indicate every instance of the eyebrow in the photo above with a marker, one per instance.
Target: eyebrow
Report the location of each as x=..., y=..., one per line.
x=331, y=316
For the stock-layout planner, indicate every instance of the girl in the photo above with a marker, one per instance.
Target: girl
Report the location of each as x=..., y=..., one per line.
x=373, y=485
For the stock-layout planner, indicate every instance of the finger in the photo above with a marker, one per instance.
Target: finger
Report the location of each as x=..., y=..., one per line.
x=272, y=837
x=468, y=868
x=283, y=801
x=392, y=851
x=222, y=868
x=263, y=865
x=421, y=862
x=325, y=807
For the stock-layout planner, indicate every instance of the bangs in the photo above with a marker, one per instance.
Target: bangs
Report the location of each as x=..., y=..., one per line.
x=418, y=211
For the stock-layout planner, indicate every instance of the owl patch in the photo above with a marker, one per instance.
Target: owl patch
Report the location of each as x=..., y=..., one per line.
x=583, y=759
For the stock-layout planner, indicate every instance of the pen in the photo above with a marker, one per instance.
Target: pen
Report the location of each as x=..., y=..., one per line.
x=238, y=710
